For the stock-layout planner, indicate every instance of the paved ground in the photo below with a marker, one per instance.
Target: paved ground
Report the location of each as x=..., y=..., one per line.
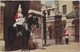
x=71, y=47
x=51, y=47
x=2, y=45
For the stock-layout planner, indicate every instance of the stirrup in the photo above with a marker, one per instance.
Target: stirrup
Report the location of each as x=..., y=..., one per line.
x=19, y=33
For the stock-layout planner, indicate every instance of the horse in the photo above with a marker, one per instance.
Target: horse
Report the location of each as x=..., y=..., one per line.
x=26, y=29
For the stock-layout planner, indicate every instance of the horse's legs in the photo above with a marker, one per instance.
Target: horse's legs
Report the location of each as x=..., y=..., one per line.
x=27, y=40
x=23, y=42
x=9, y=38
x=10, y=41
x=11, y=35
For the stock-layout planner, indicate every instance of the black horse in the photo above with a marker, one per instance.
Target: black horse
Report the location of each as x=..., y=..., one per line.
x=25, y=30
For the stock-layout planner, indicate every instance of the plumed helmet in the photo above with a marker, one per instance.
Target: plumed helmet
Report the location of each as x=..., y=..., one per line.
x=19, y=8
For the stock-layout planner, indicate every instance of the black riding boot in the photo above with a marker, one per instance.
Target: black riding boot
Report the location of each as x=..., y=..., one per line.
x=19, y=29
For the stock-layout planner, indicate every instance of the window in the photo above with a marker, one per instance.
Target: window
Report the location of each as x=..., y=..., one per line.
x=64, y=9
x=48, y=12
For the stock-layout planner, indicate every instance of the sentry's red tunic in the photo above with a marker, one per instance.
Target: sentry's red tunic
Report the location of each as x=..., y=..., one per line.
x=16, y=17
x=19, y=18
x=66, y=34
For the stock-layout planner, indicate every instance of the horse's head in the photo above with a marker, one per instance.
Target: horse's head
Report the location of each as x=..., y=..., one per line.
x=33, y=20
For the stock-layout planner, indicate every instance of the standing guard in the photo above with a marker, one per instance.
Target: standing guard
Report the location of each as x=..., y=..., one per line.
x=67, y=36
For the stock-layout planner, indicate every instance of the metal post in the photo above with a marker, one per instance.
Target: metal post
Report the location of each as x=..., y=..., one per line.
x=44, y=28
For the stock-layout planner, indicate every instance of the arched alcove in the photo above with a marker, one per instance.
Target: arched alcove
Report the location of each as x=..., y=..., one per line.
x=10, y=11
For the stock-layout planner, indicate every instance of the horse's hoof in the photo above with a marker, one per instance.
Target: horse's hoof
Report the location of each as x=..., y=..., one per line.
x=27, y=49
x=8, y=49
x=22, y=49
x=19, y=34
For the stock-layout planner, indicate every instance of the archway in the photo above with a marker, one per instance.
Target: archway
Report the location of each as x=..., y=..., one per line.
x=9, y=19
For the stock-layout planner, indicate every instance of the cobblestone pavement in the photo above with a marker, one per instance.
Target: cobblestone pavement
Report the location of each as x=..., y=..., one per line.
x=71, y=47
